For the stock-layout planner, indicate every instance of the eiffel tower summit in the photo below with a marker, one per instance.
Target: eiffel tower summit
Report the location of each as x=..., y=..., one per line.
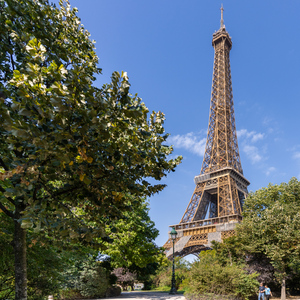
x=216, y=204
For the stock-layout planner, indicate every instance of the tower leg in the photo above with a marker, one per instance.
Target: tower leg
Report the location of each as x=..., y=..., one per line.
x=194, y=203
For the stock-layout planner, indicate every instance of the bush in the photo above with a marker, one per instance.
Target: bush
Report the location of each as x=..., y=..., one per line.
x=113, y=291
x=85, y=278
x=205, y=296
x=209, y=276
x=93, y=281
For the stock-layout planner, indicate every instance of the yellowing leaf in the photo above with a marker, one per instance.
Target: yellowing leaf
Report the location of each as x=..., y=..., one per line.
x=81, y=177
x=71, y=163
x=79, y=159
x=117, y=195
x=89, y=160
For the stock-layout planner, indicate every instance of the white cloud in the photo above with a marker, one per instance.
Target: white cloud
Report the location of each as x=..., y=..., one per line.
x=250, y=135
x=195, y=143
x=270, y=171
x=257, y=136
x=296, y=155
x=247, y=139
x=190, y=142
x=252, y=153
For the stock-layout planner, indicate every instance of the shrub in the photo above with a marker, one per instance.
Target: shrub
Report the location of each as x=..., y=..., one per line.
x=93, y=281
x=113, y=291
x=210, y=297
x=208, y=275
x=86, y=278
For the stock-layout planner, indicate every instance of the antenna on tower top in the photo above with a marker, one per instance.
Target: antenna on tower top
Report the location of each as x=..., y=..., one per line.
x=222, y=20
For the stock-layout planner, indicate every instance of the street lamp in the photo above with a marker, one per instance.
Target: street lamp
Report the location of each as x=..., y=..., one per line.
x=173, y=291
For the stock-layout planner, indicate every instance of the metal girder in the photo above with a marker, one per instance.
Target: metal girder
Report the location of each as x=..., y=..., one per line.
x=221, y=146
x=221, y=149
x=221, y=187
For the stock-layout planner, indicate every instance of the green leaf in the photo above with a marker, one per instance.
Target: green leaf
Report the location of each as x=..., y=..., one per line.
x=87, y=180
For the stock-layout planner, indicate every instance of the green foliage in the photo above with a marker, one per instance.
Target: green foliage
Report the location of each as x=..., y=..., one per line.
x=271, y=226
x=133, y=238
x=93, y=281
x=162, y=279
x=44, y=273
x=73, y=157
x=209, y=296
x=209, y=275
x=46, y=263
x=6, y=258
x=229, y=251
x=99, y=144
x=145, y=274
x=85, y=277
x=67, y=272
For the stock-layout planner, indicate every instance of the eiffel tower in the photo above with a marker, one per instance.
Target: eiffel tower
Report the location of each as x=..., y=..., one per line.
x=217, y=201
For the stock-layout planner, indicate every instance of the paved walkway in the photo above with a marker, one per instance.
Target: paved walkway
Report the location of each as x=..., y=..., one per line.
x=147, y=296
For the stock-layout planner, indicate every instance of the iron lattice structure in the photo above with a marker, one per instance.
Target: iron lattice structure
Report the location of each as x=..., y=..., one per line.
x=216, y=204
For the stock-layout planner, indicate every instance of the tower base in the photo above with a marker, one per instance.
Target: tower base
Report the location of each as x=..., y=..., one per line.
x=194, y=237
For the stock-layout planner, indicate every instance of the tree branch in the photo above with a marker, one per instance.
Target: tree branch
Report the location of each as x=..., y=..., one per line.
x=3, y=164
x=6, y=211
x=8, y=198
x=17, y=153
x=53, y=195
x=58, y=193
x=11, y=57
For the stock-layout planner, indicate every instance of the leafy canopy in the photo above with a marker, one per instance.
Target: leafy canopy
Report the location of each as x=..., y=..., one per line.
x=71, y=153
x=271, y=225
x=133, y=237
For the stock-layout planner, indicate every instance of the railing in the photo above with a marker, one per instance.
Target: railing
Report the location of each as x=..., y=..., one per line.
x=208, y=222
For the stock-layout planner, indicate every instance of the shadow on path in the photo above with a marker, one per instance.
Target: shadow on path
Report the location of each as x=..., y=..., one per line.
x=147, y=296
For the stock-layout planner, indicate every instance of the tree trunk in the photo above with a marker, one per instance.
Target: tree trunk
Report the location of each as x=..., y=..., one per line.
x=283, y=291
x=20, y=262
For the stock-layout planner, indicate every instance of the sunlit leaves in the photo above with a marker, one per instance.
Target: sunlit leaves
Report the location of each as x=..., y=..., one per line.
x=98, y=144
x=133, y=238
x=271, y=225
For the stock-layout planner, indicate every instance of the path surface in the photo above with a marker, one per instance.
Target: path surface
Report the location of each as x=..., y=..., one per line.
x=147, y=296
x=163, y=296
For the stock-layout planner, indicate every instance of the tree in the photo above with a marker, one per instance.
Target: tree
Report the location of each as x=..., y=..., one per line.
x=131, y=243
x=71, y=153
x=232, y=250
x=271, y=225
x=125, y=278
x=46, y=262
x=133, y=238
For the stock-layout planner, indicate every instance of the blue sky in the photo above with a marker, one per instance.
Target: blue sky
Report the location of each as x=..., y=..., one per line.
x=165, y=47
